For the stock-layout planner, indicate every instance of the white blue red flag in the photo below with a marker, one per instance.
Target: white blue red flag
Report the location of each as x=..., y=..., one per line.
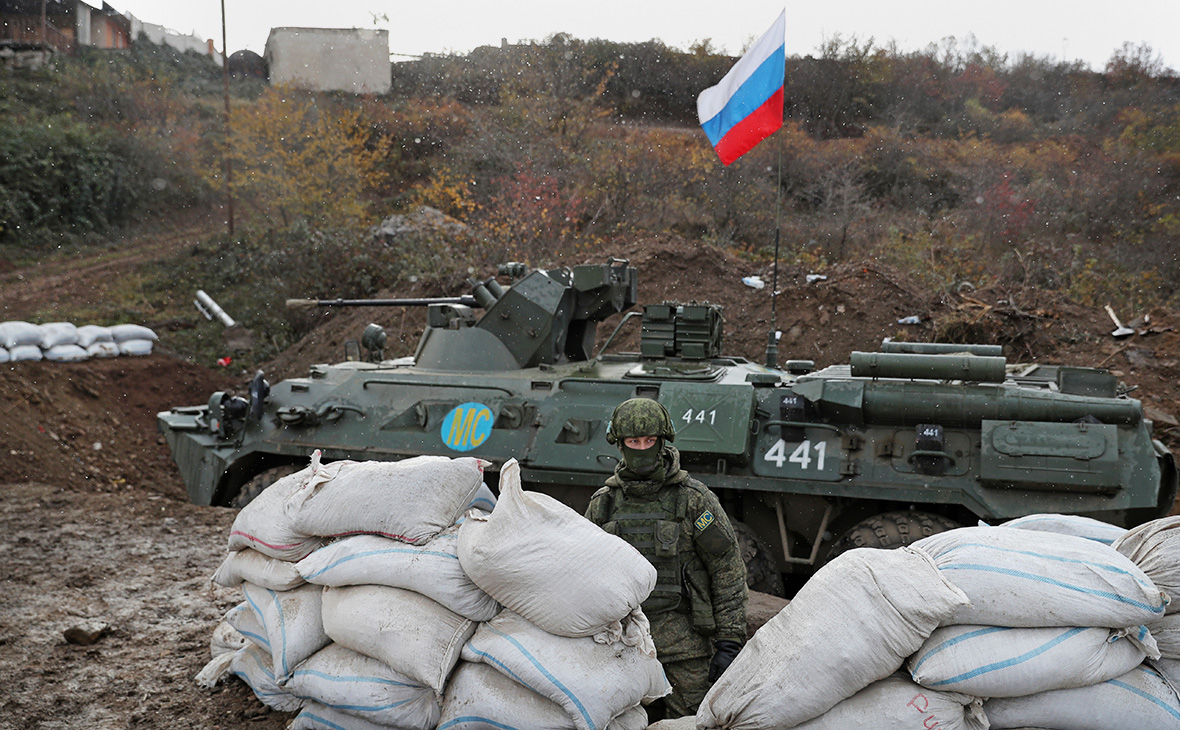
x=746, y=107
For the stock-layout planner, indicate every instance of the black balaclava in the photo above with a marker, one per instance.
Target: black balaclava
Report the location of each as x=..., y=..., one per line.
x=643, y=464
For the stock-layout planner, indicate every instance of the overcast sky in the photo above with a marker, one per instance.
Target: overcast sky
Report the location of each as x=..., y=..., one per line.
x=1085, y=30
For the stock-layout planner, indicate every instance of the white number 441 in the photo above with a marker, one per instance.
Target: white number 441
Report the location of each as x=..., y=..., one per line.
x=802, y=455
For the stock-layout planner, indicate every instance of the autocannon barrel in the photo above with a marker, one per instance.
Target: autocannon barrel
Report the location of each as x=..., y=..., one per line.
x=418, y=302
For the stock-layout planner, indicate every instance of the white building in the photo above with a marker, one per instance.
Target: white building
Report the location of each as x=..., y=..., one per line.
x=162, y=36
x=330, y=59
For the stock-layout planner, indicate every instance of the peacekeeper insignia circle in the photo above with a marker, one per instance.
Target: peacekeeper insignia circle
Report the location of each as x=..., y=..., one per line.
x=466, y=426
x=704, y=520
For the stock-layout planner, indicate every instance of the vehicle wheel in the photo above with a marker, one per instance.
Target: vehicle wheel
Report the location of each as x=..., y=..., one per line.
x=761, y=572
x=891, y=530
x=261, y=481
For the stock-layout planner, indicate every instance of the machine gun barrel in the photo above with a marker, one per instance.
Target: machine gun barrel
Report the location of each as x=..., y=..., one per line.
x=466, y=300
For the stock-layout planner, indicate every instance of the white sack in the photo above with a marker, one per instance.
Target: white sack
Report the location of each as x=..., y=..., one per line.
x=252, y=664
x=247, y=565
x=245, y=621
x=66, y=353
x=4, y=356
x=484, y=500
x=1030, y=579
x=88, y=334
x=1075, y=525
x=24, y=353
x=125, y=332
x=135, y=348
x=592, y=682
x=634, y=718
x=1169, y=669
x=15, y=334
x=293, y=623
x=896, y=703
x=316, y=716
x=480, y=698
x=415, y=636
x=1166, y=631
x=853, y=623
x=226, y=639
x=353, y=683
x=1155, y=547
x=431, y=569
x=58, y=333
x=103, y=349
x=217, y=669
x=1139, y=699
x=551, y=565
x=264, y=525
x=992, y=661
x=410, y=500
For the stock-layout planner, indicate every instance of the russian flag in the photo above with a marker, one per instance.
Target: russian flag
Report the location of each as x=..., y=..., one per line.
x=746, y=107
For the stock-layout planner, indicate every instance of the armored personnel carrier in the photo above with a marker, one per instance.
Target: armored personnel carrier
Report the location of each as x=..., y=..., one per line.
x=899, y=443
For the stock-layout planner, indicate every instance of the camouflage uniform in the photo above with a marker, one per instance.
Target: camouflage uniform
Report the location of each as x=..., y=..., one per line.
x=700, y=596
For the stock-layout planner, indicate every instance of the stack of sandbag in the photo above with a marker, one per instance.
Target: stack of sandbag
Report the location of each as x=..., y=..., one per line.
x=65, y=342
x=1155, y=547
x=354, y=608
x=827, y=659
x=1051, y=617
x=572, y=649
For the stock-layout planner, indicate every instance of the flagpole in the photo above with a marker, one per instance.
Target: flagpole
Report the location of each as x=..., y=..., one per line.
x=772, y=337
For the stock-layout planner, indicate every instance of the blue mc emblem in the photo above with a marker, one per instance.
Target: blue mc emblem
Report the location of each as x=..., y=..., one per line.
x=467, y=426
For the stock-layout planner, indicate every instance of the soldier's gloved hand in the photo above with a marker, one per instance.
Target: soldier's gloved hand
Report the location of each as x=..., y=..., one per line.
x=723, y=657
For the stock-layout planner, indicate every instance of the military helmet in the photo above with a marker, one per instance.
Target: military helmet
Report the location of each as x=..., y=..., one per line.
x=639, y=417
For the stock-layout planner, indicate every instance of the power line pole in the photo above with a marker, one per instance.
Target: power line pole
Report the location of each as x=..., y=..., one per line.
x=229, y=170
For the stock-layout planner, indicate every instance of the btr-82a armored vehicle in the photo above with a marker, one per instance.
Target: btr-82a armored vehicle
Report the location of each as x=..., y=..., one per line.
x=895, y=445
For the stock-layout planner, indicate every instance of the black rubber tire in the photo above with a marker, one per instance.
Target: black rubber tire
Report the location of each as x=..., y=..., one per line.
x=260, y=481
x=891, y=530
x=761, y=573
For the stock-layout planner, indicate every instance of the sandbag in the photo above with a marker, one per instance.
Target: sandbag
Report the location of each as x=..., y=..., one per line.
x=1155, y=547
x=1166, y=631
x=551, y=565
x=89, y=334
x=4, y=356
x=226, y=639
x=16, y=334
x=245, y=621
x=1026, y=578
x=480, y=698
x=316, y=716
x=135, y=348
x=484, y=500
x=25, y=353
x=247, y=565
x=853, y=623
x=410, y=500
x=252, y=664
x=293, y=624
x=355, y=684
x=103, y=349
x=65, y=353
x=58, y=333
x=1141, y=698
x=592, y=682
x=992, y=661
x=1169, y=669
x=217, y=669
x=263, y=524
x=896, y=703
x=126, y=332
x=1076, y=525
x=415, y=636
x=431, y=569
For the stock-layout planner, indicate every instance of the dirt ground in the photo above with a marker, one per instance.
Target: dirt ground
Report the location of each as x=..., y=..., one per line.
x=98, y=535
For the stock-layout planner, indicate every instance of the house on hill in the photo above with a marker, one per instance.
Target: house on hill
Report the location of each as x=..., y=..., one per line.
x=330, y=59
x=33, y=30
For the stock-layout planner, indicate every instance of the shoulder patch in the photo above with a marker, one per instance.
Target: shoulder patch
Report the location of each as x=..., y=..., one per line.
x=704, y=520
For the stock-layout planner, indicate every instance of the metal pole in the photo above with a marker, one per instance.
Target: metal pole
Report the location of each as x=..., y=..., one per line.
x=229, y=169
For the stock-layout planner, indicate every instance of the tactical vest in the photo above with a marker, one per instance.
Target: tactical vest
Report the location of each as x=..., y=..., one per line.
x=653, y=527
x=661, y=531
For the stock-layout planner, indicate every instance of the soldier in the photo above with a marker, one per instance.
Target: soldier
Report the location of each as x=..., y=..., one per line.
x=698, y=608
